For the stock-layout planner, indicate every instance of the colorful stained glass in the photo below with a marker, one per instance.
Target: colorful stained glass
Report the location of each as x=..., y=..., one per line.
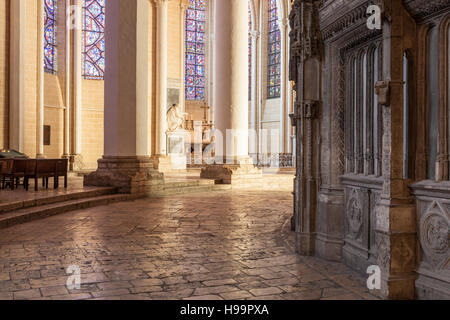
x=94, y=39
x=274, y=52
x=250, y=28
x=195, y=50
x=50, y=9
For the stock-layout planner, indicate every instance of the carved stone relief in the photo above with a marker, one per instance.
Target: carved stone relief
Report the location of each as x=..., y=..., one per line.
x=384, y=256
x=355, y=216
x=435, y=236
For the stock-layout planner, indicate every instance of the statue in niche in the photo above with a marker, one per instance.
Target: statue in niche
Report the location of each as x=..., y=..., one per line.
x=175, y=118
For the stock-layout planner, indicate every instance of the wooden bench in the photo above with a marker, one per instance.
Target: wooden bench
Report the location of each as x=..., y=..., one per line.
x=45, y=169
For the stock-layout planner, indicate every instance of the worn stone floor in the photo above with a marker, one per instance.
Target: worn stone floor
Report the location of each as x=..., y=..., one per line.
x=220, y=245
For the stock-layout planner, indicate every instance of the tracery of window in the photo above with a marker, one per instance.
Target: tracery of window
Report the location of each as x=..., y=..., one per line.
x=94, y=39
x=195, y=50
x=50, y=10
x=250, y=27
x=363, y=113
x=274, y=65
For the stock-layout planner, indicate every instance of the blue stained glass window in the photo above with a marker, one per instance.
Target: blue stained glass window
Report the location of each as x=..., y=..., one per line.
x=195, y=50
x=274, y=67
x=50, y=36
x=94, y=39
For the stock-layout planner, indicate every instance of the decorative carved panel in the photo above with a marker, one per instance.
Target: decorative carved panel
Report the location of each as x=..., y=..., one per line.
x=434, y=230
x=354, y=216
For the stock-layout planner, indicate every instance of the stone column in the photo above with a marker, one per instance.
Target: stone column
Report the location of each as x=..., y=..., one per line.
x=254, y=34
x=283, y=26
x=76, y=160
x=68, y=75
x=40, y=83
x=305, y=70
x=395, y=213
x=231, y=89
x=184, y=5
x=17, y=75
x=126, y=163
x=161, y=159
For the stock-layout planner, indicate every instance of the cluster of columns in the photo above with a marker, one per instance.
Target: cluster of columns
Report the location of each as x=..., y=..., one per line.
x=259, y=79
x=127, y=162
x=19, y=52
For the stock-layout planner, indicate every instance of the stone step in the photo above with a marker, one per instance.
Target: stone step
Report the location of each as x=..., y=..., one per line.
x=188, y=186
x=52, y=199
x=43, y=211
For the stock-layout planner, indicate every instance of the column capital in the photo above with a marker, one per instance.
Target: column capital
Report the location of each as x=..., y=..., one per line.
x=255, y=34
x=157, y=3
x=184, y=4
x=283, y=23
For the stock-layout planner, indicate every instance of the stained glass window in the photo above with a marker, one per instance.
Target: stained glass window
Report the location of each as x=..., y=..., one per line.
x=250, y=27
x=195, y=50
x=94, y=39
x=50, y=36
x=274, y=70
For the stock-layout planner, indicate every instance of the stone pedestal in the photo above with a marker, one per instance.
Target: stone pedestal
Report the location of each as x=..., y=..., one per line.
x=242, y=172
x=177, y=149
x=133, y=175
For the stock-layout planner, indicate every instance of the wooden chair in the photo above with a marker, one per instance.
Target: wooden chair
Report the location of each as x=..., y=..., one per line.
x=14, y=170
x=62, y=167
x=6, y=168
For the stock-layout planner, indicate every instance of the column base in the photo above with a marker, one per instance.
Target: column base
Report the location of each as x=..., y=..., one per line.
x=41, y=156
x=162, y=163
x=330, y=224
x=396, y=248
x=305, y=243
x=131, y=175
x=242, y=172
x=76, y=162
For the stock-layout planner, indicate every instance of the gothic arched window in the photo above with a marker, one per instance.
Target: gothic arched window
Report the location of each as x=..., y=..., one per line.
x=94, y=39
x=274, y=67
x=195, y=50
x=50, y=9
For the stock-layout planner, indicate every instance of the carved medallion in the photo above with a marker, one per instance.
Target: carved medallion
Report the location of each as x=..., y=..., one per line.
x=354, y=216
x=435, y=236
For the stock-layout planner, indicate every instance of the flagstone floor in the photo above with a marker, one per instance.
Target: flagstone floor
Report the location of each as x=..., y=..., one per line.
x=220, y=245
